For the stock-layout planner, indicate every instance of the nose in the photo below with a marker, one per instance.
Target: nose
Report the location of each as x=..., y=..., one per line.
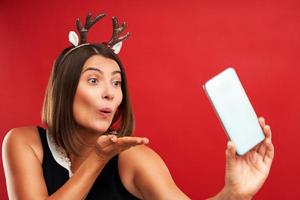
x=107, y=92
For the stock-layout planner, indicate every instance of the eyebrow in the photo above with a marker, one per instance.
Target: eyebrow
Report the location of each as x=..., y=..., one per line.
x=100, y=71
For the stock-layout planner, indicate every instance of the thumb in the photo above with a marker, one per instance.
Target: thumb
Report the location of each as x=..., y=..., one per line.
x=105, y=140
x=230, y=151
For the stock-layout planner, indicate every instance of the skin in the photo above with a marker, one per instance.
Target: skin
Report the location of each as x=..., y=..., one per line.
x=99, y=87
x=246, y=174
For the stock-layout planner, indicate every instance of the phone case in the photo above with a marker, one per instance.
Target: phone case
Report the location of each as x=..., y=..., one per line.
x=234, y=110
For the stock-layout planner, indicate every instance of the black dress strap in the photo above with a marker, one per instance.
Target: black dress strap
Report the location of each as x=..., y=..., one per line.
x=54, y=174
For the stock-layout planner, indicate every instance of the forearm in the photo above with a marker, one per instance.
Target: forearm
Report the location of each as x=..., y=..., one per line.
x=80, y=183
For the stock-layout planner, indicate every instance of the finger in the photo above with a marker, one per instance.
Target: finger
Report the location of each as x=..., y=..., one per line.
x=126, y=147
x=137, y=141
x=262, y=148
x=269, y=154
x=230, y=151
x=105, y=140
x=114, y=139
x=267, y=131
x=262, y=121
x=126, y=142
x=132, y=140
x=268, y=134
x=256, y=148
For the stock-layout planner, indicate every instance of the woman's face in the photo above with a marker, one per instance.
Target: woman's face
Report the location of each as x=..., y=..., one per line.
x=98, y=94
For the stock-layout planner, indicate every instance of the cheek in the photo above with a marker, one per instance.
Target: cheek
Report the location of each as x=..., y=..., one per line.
x=83, y=102
x=119, y=98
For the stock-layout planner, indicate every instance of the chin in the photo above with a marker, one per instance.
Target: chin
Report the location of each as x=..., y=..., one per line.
x=97, y=126
x=100, y=126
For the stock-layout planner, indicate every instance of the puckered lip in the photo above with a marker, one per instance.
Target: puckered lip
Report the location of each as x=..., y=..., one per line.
x=106, y=111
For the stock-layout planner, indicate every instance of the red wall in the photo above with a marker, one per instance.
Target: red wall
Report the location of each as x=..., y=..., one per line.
x=175, y=47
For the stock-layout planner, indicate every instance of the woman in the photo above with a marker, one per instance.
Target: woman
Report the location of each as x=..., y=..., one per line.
x=87, y=150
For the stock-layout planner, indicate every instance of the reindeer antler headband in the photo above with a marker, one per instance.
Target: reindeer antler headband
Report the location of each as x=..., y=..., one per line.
x=114, y=43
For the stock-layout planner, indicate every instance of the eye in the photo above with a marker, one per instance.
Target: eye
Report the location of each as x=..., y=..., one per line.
x=92, y=81
x=117, y=83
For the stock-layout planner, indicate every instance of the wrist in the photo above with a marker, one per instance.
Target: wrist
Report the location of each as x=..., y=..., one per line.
x=99, y=156
x=229, y=194
x=92, y=166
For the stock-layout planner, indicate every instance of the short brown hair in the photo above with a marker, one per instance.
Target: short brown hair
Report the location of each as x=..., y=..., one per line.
x=57, y=112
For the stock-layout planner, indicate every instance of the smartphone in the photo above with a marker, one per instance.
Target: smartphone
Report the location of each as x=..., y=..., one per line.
x=234, y=110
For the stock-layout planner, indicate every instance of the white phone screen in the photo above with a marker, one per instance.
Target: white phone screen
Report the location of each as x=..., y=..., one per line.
x=234, y=110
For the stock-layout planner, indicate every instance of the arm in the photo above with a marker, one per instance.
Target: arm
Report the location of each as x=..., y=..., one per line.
x=244, y=175
x=150, y=175
x=23, y=167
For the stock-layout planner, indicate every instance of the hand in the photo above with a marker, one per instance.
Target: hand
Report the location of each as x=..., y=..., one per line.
x=108, y=146
x=246, y=174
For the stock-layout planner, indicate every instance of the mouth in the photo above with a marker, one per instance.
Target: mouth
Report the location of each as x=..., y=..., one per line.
x=106, y=112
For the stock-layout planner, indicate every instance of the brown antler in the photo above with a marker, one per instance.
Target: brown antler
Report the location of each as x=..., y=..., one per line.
x=88, y=24
x=117, y=30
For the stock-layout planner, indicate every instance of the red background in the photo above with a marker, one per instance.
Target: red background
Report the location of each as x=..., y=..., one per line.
x=175, y=47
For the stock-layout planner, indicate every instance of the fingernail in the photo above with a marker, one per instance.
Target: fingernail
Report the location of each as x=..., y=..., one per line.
x=114, y=139
x=230, y=145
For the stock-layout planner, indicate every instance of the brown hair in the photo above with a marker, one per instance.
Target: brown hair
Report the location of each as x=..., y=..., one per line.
x=57, y=112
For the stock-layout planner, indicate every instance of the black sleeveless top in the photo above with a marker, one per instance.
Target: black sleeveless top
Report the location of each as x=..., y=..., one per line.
x=107, y=186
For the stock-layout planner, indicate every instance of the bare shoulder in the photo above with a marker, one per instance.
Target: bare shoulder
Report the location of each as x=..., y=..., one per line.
x=22, y=154
x=20, y=137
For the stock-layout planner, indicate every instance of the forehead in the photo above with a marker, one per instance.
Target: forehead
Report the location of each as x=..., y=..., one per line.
x=101, y=62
